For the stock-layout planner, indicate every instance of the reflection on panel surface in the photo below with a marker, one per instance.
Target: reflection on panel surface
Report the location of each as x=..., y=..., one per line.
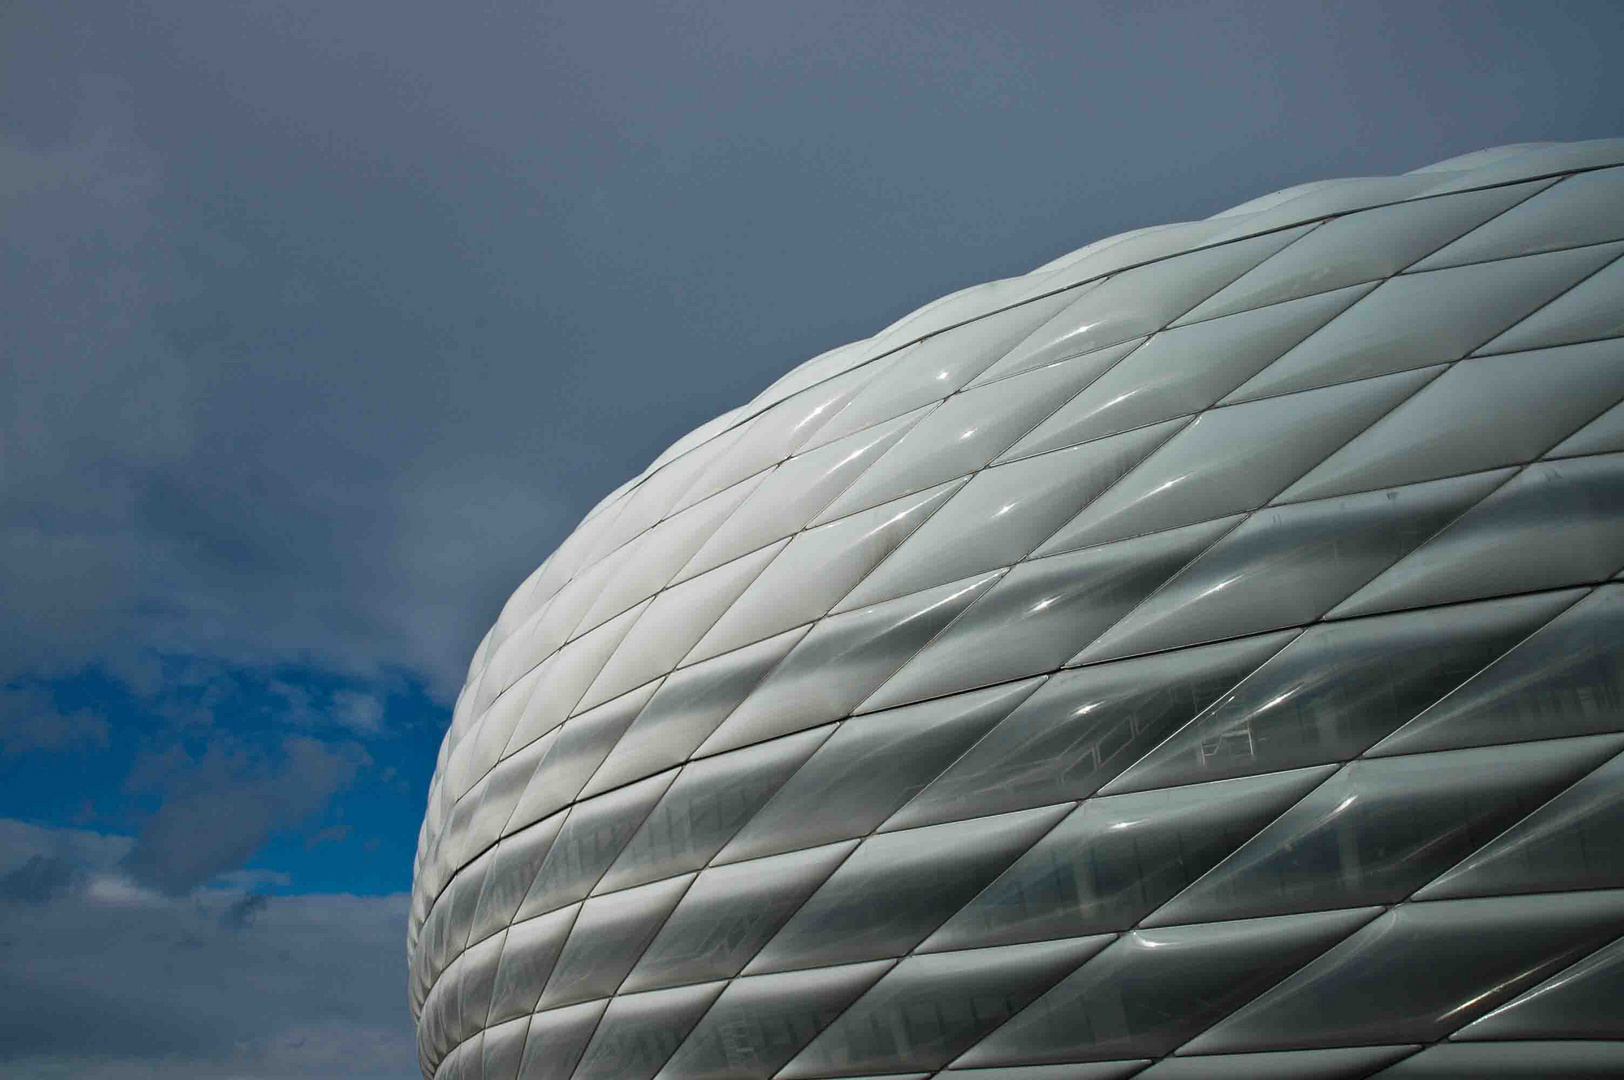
x=1201, y=656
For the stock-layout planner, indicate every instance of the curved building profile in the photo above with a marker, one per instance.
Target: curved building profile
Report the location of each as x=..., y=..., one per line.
x=1200, y=657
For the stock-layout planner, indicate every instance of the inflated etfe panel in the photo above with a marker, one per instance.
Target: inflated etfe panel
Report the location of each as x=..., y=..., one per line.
x=1199, y=657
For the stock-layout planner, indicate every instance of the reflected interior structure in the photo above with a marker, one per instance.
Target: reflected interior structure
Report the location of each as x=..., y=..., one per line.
x=1201, y=656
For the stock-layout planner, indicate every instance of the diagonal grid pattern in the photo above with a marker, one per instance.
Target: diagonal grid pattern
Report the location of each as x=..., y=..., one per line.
x=1038, y=740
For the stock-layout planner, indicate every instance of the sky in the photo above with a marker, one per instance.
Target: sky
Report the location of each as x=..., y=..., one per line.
x=325, y=322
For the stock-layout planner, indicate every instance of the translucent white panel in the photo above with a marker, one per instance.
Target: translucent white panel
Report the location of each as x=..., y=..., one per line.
x=480, y=835
x=1378, y=830
x=504, y=1049
x=1578, y=1003
x=1115, y=859
x=476, y=756
x=968, y=431
x=928, y=1009
x=973, y=302
x=897, y=888
x=1556, y=523
x=431, y=862
x=568, y=674
x=657, y=494
x=470, y=704
x=1094, y=1070
x=687, y=708
x=613, y=499
x=556, y=1040
x=514, y=865
x=1285, y=566
x=699, y=436
x=462, y=1063
x=431, y=958
x=478, y=978
x=1133, y=248
x=1234, y=459
x=868, y=768
x=1341, y=1063
x=1541, y=159
x=440, y=1016
x=1339, y=197
x=1042, y=612
x=486, y=644
x=729, y=913
x=1361, y=247
x=1475, y=416
x=1575, y=841
x=461, y=774
x=509, y=663
x=889, y=1076
x=1567, y=678
x=1336, y=690
x=1138, y=301
x=705, y=806
x=819, y=567
x=1511, y=1061
x=528, y=954
x=560, y=568
x=453, y=847
x=1590, y=310
x=1583, y=209
x=463, y=897
x=639, y=1032
x=1048, y=269
x=761, y=1022
x=1153, y=989
x=939, y=365
x=1082, y=728
x=421, y=948
x=1006, y=511
x=608, y=937
x=472, y=755
x=1420, y=971
x=1603, y=435
x=1464, y=168
x=588, y=842
x=795, y=492
x=674, y=621
x=562, y=618
x=776, y=434
x=811, y=372
x=1184, y=370
x=1251, y=207
x=653, y=559
x=1420, y=319
x=579, y=748
x=841, y=662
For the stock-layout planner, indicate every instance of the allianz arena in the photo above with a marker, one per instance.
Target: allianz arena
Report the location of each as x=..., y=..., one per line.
x=1200, y=657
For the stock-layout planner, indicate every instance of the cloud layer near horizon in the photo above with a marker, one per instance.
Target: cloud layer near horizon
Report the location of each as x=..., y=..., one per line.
x=105, y=978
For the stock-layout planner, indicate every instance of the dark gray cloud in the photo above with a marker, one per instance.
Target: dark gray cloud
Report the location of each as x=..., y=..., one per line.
x=327, y=326
x=30, y=721
x=41, y=879
x=218, y=809
x=241, y=913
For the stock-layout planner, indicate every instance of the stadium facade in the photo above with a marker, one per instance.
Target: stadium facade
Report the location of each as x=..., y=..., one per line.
x=1201, y=656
